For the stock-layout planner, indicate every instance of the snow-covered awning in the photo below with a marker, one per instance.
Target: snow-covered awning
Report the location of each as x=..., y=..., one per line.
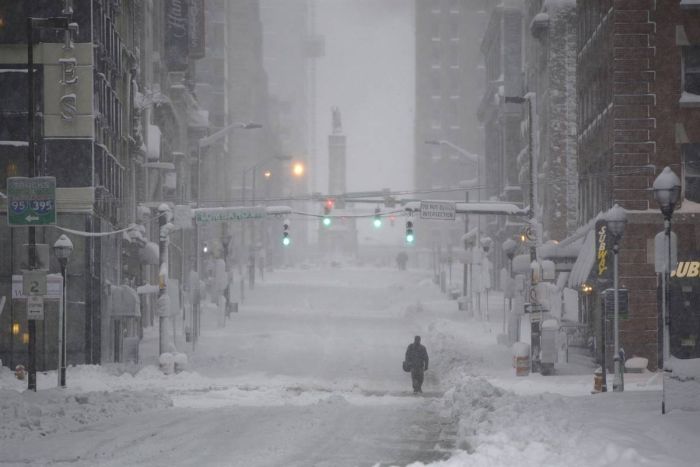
x=585, y=261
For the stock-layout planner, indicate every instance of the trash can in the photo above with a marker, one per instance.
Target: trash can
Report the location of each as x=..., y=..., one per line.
x=521, y=359
x=597, y=381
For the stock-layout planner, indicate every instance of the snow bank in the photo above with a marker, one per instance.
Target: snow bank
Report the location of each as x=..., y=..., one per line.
x=37, y=414
x=683, y=384
x=498, y=428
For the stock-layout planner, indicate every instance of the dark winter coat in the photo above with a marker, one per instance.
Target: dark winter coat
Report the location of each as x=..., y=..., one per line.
x=417, y=356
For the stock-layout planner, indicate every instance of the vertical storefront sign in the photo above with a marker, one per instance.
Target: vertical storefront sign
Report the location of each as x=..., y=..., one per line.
x=603, y=252
x=176, y=35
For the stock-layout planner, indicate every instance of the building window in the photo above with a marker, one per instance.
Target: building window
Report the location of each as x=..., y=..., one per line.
x=691, y=171
x=691, y=69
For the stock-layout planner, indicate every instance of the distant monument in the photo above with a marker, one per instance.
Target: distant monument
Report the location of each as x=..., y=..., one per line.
x=336, y=154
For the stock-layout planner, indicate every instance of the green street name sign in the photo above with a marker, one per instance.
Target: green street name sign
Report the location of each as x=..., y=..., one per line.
x=31, y=201
x=209, y=215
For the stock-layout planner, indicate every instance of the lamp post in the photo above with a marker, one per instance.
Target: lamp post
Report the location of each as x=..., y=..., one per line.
x=667, y=191
x=471, y=157
x=244, y=175
x=62, y=249
x=469, y=242
x=509, y=247
x=201, y=144
x=617, y=219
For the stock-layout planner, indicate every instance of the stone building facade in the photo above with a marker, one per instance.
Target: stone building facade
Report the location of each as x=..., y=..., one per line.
x=119, y=120
x=550, y=77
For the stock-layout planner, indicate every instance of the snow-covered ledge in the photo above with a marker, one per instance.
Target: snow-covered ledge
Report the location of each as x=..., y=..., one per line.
x=689, y=99
x=690, y=4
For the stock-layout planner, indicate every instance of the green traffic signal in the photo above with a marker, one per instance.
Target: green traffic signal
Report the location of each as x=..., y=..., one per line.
x=327, y=221
x=377, y=223
x=409, y=238
x=286, y=241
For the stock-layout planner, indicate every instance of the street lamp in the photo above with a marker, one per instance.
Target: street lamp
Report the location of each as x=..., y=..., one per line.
x=254, y=169
x=201, y=144
x=62, y=249
x=667, y=191
x=245, y=172
x=617, y=220
x=298, y=169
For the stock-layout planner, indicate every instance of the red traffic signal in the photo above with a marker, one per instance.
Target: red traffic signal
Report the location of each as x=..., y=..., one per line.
x=328, y=205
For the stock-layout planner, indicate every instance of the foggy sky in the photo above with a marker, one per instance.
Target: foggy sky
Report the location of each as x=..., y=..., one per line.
x=368, y=72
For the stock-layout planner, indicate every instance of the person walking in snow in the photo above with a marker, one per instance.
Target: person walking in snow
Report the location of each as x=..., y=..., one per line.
x=417, y=361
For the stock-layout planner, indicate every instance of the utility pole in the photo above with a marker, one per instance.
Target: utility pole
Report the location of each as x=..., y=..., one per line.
x=534, y=324
x=31, y=324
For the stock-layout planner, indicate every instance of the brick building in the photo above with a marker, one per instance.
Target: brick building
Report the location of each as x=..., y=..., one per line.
x=638, y=93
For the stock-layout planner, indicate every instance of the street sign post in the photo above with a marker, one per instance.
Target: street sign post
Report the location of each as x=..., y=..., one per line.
x=35, y=307
x=442, y=210
x=31, y=201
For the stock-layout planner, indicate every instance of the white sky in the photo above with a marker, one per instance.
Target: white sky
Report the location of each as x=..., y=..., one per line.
x=368, y=72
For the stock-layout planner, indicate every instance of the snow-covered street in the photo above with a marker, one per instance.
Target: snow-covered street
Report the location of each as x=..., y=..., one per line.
x=308, y=373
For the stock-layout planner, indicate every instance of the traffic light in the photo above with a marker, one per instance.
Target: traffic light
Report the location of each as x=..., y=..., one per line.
x=377, y=218
x=205, y=248
x=285, y=234
x=327, y=207
x=409, y=232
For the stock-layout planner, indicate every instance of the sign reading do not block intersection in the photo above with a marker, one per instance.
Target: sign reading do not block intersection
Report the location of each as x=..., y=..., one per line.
x=442, y=210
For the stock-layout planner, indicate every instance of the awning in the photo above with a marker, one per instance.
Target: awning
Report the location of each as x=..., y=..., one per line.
x=584, y=263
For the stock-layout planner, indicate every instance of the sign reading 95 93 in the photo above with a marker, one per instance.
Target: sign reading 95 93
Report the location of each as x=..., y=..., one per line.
x=31, y=201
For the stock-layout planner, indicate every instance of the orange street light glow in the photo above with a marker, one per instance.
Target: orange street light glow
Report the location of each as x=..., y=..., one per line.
x=298, y=169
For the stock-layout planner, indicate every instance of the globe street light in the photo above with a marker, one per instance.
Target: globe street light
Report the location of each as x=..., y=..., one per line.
x=62, y=249
x=616, y=219
x=667, y=191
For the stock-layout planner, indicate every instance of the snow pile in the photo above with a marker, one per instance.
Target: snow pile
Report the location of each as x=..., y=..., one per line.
x=683, y=384
x=36, y=414
x=499, y=428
